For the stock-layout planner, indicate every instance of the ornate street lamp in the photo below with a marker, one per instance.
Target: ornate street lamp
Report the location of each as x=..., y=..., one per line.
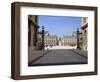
x=78, y=34
x=42, y=37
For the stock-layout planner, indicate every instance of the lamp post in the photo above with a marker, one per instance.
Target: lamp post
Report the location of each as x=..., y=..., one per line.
x=42, y=37
x=78, y=46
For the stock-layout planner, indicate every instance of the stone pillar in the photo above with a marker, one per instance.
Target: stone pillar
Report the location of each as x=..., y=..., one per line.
x=34, y=31
x=32, y=37
x=35, y=36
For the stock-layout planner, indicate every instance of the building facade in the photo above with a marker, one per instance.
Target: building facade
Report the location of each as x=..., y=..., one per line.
x=80, y=40
x=53, y=40
x=84, y=32
x=50, y=40
x=32, y=31
x=68, y=41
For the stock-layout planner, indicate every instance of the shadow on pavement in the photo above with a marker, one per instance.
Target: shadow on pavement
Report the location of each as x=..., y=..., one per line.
x=35, y=58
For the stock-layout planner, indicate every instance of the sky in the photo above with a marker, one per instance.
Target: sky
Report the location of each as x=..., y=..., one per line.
x=59, y=25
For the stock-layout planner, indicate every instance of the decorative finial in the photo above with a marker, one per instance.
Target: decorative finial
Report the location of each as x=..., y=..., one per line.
x=42, y=27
